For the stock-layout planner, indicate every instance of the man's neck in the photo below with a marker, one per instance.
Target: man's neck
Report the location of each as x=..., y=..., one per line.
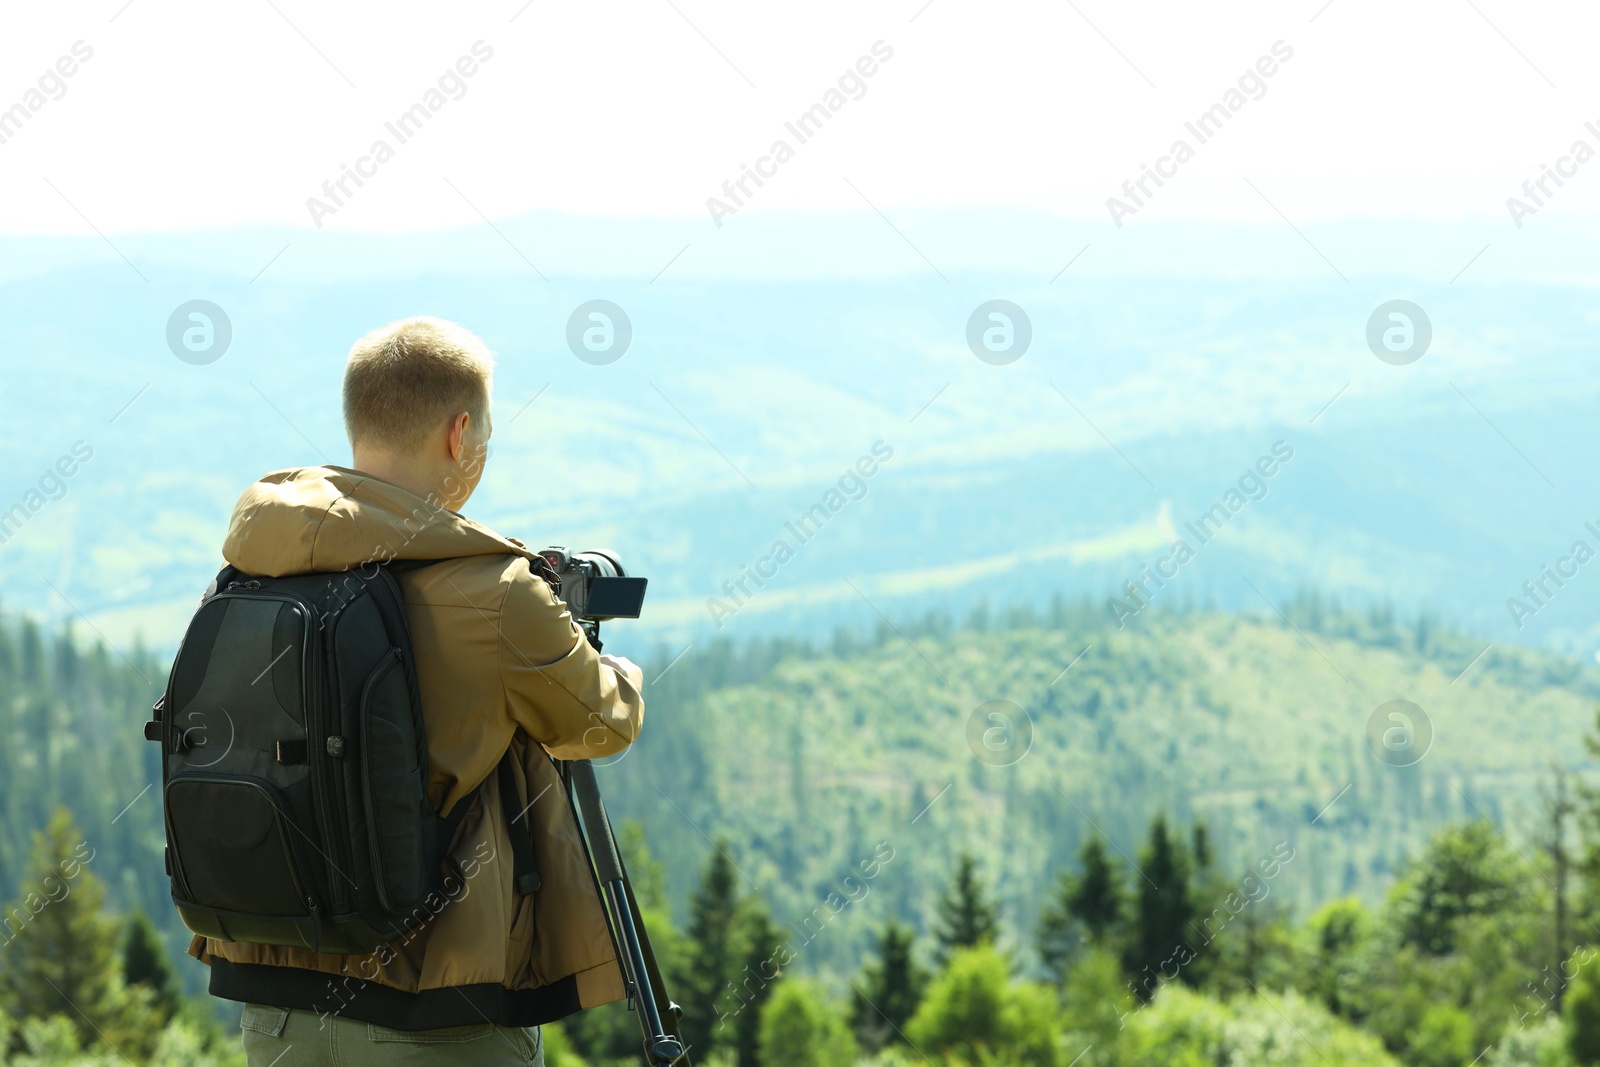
x=398, y=471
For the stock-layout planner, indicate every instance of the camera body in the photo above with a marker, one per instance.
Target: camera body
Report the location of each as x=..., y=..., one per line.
x=595, y=587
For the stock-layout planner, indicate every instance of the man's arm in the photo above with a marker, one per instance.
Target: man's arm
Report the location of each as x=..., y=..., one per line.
x=563, y=693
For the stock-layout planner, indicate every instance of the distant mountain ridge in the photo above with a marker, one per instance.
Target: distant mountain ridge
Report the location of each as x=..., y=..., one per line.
x=1151, y=383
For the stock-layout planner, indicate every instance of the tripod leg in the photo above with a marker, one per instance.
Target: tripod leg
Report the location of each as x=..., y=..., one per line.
x=635, y=958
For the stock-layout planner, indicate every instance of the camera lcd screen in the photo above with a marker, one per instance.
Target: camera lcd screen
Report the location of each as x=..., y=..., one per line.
x=615, y=598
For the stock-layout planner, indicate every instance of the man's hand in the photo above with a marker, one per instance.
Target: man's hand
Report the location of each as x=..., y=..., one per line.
x=625, y=667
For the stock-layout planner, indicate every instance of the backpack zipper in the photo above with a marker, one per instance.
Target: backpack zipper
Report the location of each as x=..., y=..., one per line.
x=394, y=659
x=322, y=777
x=316, y=923
x=299, y=863
x=317, y=731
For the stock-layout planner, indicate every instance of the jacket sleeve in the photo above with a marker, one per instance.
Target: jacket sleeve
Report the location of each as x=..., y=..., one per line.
x=556, y=688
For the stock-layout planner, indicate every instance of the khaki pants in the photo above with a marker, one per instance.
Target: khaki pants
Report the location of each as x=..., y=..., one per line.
x=290, y=1037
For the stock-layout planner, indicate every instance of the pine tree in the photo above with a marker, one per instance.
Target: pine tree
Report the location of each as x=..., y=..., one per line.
x=712, y=951
x=32, y=655
x=1558, y=811
x=60, y=957
x=1201, y=843
x=760, y=946
x=1465, y=871
x=889, y=991
x=967, y=918
x=646, y=874
x=800, y=791
x=67, y=675
x=8, y=655
x=145, y=963
x=39, y=717
x=1163, y=913
x=1087, y=907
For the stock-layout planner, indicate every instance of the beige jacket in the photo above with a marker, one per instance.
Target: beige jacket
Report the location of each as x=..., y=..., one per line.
x=499, y=661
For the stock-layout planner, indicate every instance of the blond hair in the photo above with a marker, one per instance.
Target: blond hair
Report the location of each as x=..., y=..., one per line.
x=403, y=380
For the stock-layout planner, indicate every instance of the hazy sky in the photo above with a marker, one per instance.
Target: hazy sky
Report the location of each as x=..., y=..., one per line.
x=191, y=115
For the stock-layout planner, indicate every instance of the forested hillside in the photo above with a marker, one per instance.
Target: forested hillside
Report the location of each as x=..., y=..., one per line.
x=71, y=715
x=1007, y=746
x=806, y=758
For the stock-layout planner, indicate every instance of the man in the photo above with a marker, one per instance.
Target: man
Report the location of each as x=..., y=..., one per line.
x=499, y=663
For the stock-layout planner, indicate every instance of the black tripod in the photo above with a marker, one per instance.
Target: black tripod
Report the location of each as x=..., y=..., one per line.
x=658, y=1015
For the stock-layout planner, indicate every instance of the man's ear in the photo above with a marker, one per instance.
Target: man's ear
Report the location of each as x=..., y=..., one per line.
x=455, y=436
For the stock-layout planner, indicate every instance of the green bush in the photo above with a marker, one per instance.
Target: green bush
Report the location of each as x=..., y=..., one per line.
x=1186, y=1029
x=1541, y=1044
x=558, y=1047
x=964, y=1008
x=1443, y=1038
x=1330, y=943
x=1177, y=1029
x=800, y=1028
x=185, y=1044
x=974, y=1013
x=1096, y=1005
x=53, y=1041
x=1581, y=1015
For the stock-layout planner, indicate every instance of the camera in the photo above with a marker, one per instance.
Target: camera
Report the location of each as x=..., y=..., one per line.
x=595, y=587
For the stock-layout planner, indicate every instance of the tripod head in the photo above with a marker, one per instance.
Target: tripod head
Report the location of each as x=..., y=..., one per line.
x=595, y=587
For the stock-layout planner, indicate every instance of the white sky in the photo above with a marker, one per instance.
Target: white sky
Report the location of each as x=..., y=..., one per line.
x=195, y=116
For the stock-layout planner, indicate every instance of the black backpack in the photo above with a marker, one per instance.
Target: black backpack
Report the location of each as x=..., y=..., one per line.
x=295, y=770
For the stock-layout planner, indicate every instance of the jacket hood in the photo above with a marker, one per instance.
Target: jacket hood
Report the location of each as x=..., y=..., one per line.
x=308, y=519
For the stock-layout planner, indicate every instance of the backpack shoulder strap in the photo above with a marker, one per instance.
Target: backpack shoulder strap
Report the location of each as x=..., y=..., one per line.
x=523, y=868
